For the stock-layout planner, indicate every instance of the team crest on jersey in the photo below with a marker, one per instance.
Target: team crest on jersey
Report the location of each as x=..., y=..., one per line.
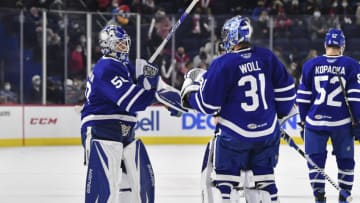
x=125, y=129
x=246, y=55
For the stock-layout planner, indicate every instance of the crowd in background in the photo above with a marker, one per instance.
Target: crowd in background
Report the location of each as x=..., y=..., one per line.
x=299, y=28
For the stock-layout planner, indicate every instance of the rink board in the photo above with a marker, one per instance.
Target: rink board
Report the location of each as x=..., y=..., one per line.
x=60, y=125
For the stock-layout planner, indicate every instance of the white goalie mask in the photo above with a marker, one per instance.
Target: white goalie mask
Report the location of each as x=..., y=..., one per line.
x=115, y=42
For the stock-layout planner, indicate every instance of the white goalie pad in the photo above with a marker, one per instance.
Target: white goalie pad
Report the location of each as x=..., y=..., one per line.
x=104, y=166
x=138, y=174
x=253, y=195
x=209, y=193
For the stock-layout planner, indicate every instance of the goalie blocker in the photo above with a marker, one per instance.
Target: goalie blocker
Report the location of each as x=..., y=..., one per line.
x=127, y=172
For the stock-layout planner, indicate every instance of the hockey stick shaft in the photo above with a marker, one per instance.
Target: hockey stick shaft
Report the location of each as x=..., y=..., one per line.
x=346, y=98
x=292, y=144
x=172, y=31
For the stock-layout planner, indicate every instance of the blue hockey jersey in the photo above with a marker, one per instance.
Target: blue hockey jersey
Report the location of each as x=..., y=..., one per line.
x=249, y=89
x=320, y=98
x=112, y=94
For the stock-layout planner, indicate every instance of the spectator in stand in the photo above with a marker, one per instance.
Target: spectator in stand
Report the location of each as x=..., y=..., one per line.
x=120, y=16
x=159, y=28
x=7, y=96
x=182, y=58
x=357, y=14
x=77, y=65
x=35, y=95
x=200, y=24
x=283, y=24
x=309, y=7
x=332, y=20
x=317, y=25
x=262, y=25
x=202, y=60
x=258, y=10
x=293, y=7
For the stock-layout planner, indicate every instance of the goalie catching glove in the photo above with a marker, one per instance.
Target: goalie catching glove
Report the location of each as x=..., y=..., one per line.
x=170, y=97
x=147, y=74
x=192, y=82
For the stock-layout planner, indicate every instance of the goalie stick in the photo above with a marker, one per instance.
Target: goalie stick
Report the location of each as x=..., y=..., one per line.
x=162, y=86
x=172, y=31
x=292, y=144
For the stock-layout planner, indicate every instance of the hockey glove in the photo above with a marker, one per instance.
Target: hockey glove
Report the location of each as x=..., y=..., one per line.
x=147, y=74
x=192, y=82
x=356, y=132
x=170, y=97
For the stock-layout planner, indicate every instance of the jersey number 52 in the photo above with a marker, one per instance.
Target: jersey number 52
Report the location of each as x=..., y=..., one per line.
x=332, y=94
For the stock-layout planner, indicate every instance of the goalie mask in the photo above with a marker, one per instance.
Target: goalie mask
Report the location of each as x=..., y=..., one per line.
x=115, y=42
x=235, y=31
x=335, y=37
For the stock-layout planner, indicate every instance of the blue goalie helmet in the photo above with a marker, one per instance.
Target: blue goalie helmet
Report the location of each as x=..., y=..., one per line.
x=335, y=37
x=235, y=30
x=115, y=42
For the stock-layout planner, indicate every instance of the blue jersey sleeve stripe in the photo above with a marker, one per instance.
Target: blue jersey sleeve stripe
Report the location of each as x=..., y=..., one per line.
x=285, y=98
x=304, y=92
x=209, y=106
x=199, y=103
x=125, y=95
x=133, y=100
x=284, y=89
x=327, y=123
x=303, y=101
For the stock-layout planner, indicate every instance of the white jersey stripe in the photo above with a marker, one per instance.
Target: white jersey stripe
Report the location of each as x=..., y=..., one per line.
x=134, y=99
x=303, y=101
x=246, y=133
x=285, y=98
x=304, y=92
x=284, y=89
x=125, y=95
x=328, y=123
x=121, y=117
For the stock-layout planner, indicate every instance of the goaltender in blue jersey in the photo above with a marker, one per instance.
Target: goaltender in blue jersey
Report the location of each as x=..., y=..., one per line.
x=119, y=169
x=249, y=89
x=327, y=82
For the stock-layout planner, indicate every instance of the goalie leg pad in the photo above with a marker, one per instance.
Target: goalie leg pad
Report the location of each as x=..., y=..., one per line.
x=139, y=174
x=252, y=195
x=264, y=180
x=104, y=171
x=207, y=187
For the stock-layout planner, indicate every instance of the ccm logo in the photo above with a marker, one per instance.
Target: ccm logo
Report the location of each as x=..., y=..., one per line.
x=43, y=121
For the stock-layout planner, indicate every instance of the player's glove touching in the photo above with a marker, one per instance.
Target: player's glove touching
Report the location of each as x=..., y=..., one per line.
x=147, y=74
x=192, y=82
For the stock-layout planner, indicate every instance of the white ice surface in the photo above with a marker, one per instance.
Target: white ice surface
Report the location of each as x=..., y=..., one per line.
x=57, y=175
